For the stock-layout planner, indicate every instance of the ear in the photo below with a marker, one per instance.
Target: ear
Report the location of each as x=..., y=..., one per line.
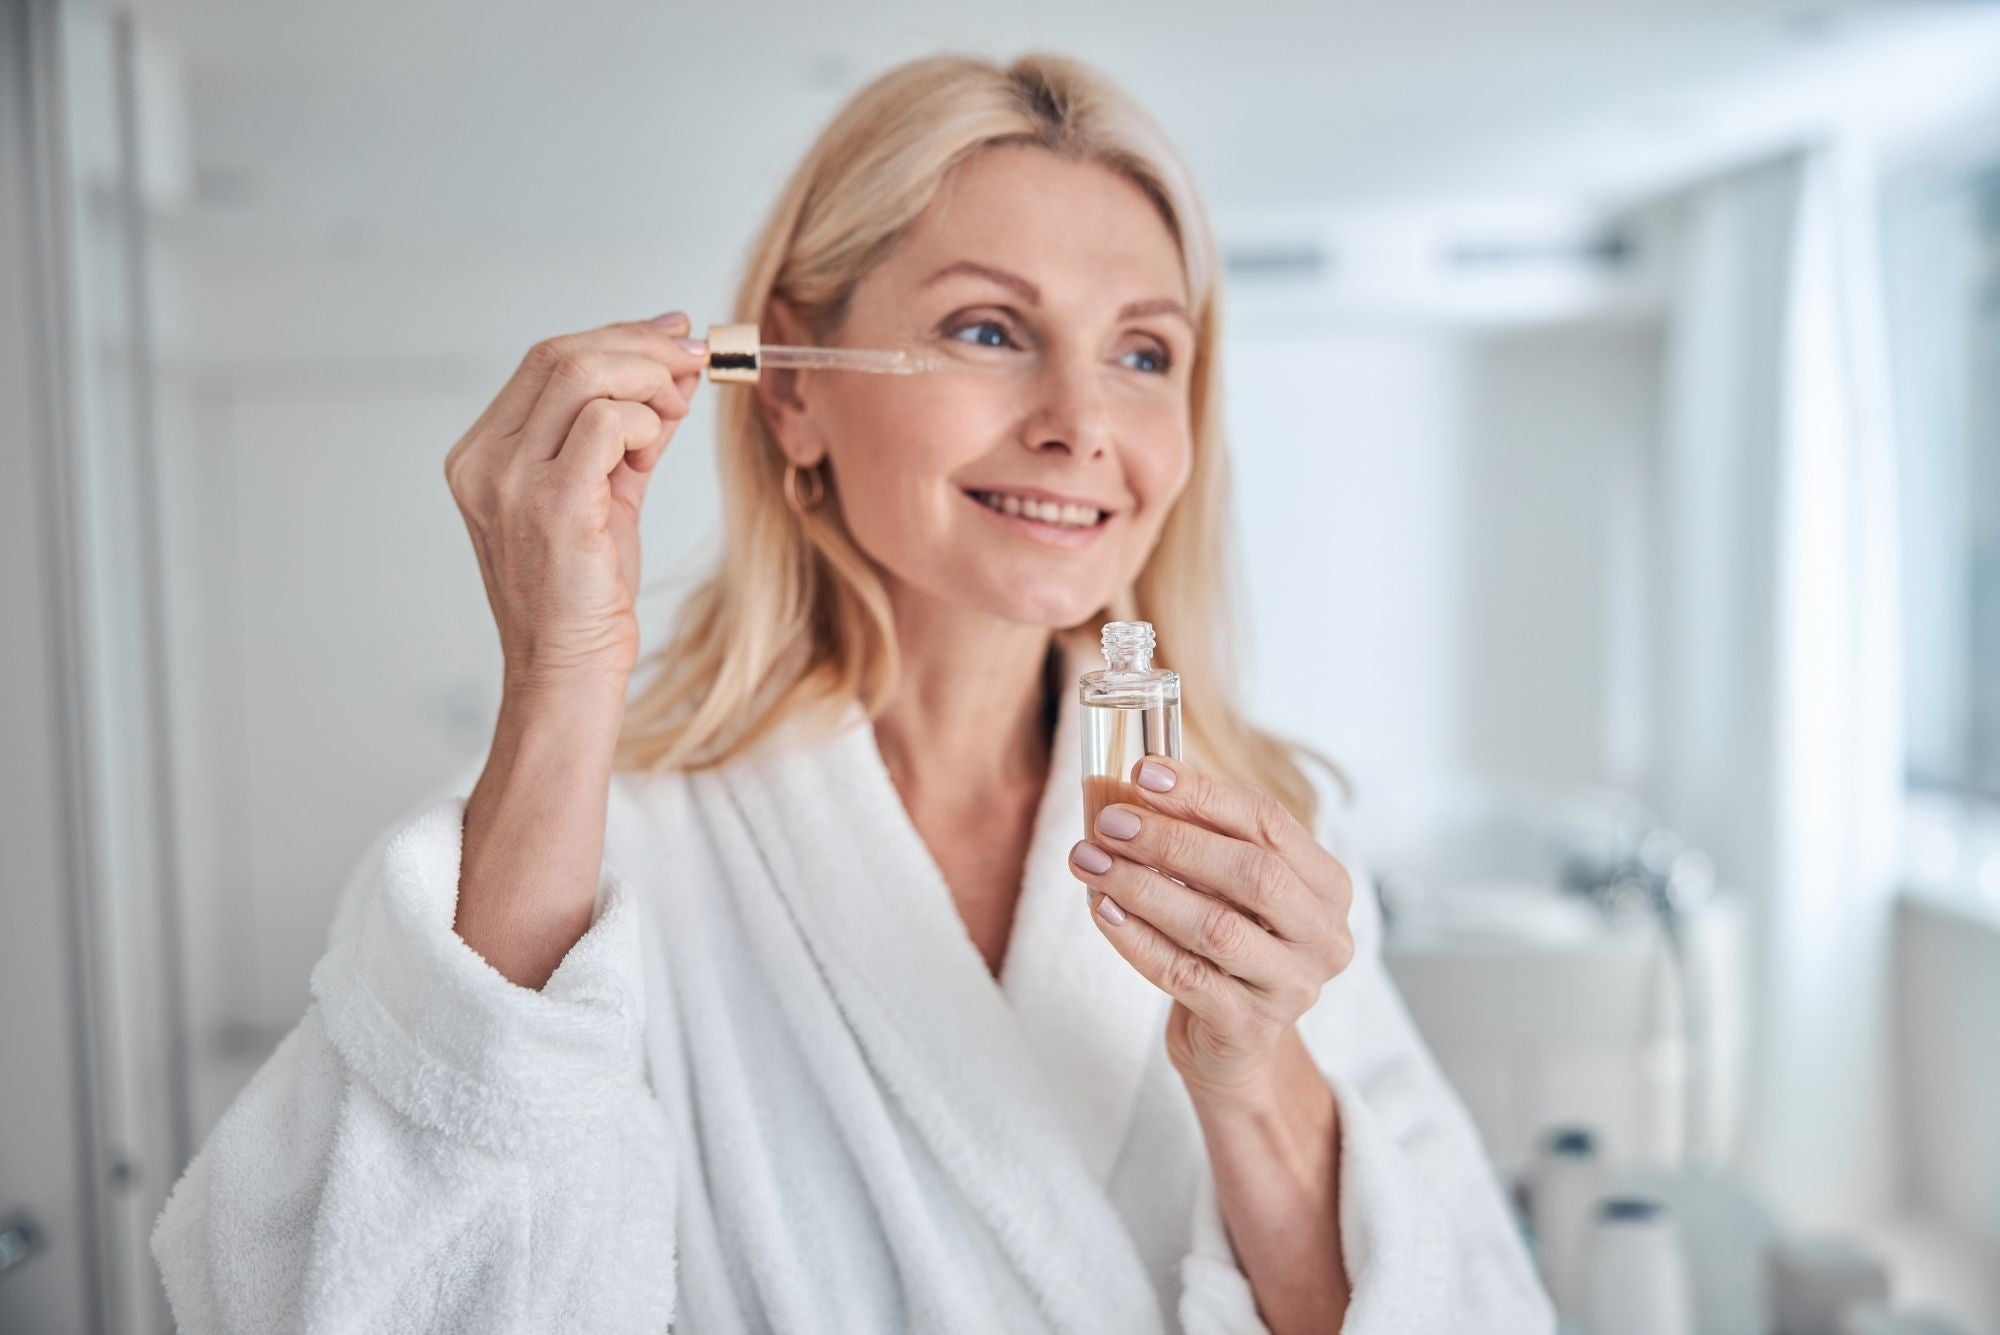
x=781, y=393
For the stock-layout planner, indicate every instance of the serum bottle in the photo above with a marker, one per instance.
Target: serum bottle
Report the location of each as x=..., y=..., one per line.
x=1130, y=709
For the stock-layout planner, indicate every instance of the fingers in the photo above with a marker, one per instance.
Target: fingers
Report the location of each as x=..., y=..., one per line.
x=1198, y=923
x=1179, y=789
x=516, y=400
x=583, y=377
x=1248, y=875
x=605, y=432
x=1208, y=991
x=1187, y=978
x=641, y=337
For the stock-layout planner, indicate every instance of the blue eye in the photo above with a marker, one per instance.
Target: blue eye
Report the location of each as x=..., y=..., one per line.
x=991, y=325
x=994, y=334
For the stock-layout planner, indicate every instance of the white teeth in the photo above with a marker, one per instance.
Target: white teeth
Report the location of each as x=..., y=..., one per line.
x=1047, y=512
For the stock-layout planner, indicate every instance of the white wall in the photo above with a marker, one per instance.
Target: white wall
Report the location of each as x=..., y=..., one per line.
x=1442, y=540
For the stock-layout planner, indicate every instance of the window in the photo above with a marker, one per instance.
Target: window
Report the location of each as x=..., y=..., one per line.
x=1943, y=266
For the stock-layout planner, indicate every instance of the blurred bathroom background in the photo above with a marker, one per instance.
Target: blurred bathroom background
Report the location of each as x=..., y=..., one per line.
x=1615, y=398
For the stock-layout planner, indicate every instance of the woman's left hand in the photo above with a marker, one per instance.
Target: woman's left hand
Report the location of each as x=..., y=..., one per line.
x=1229, y=905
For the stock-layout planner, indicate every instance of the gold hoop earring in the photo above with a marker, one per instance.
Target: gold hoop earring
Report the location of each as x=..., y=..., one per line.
x=815, y=492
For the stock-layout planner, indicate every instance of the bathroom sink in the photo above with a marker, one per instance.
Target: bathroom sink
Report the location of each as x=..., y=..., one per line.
x=1542, y=1013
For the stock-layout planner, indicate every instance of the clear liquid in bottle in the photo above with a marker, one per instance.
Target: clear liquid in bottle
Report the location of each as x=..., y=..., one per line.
x=1130, y=709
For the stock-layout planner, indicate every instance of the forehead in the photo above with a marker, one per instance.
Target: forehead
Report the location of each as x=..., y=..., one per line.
x=1075, y=228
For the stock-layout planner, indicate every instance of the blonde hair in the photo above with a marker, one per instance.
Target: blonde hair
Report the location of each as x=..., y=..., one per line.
x=795, y=622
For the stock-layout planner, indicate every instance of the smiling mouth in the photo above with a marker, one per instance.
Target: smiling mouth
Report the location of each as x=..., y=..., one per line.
x=1059, y=514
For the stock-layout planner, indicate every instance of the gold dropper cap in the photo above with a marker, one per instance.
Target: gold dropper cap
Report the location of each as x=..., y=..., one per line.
x=732, y=353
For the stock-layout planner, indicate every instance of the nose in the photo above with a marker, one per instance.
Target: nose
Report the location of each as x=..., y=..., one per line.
x=1070, y=413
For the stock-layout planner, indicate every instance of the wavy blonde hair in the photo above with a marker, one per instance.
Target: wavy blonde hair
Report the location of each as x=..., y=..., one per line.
x=795, y=621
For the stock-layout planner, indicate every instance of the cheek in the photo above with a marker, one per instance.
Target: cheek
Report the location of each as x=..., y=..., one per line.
x=893, y=454
x=1160, y=468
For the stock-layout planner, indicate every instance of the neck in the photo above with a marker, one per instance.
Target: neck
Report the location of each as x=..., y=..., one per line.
x=971, y=709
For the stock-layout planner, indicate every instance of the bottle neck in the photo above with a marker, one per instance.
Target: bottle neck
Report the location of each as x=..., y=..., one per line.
x=1128, y=646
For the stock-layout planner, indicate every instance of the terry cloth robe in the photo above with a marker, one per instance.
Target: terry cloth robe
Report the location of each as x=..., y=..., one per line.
x=775, y=1088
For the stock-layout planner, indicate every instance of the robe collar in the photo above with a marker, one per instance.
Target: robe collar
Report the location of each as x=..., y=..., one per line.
x=1093, y=1021
x=1024, y=1087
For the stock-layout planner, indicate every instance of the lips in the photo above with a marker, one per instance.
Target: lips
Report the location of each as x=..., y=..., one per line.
x=1071, y=514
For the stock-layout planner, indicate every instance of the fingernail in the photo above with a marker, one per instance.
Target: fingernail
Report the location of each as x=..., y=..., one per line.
x=1091, y=858
x=1156, y=777
x=1108, y=909
x=1117, y=822
x=670, y=318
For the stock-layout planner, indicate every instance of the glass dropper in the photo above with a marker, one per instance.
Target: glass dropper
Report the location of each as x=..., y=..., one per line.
x=735, y=354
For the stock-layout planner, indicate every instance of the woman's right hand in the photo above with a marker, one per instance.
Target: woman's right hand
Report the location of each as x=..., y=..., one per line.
x=550, y=480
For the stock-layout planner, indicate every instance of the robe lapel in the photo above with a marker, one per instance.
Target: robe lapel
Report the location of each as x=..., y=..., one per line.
x=1091, y=1019
x=1022, y=1091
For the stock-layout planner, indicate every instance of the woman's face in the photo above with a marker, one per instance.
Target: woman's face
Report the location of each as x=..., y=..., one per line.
x=1057, y=287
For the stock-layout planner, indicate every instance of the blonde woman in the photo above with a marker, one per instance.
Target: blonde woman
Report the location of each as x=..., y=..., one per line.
x=767, y=999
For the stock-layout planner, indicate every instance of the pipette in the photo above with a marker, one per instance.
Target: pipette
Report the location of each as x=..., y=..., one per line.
x=735, y=355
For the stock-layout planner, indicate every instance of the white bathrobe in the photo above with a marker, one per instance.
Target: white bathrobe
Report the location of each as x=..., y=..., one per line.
x=775, y=1088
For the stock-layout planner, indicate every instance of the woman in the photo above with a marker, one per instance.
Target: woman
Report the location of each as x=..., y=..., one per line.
x=767, y=1003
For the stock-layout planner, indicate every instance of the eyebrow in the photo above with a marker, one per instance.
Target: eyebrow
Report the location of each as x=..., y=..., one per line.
x=1135, y=310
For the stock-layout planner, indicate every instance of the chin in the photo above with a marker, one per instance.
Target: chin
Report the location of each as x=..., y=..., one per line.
x=1055, y=609
x=1026, y=589
x=1055, y=604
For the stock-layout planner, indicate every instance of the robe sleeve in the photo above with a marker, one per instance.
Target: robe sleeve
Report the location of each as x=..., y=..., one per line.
x=433, y=1147
x=1427, y=1238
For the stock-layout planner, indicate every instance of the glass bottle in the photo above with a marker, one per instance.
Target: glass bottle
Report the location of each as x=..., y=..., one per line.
x=1130, y=709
